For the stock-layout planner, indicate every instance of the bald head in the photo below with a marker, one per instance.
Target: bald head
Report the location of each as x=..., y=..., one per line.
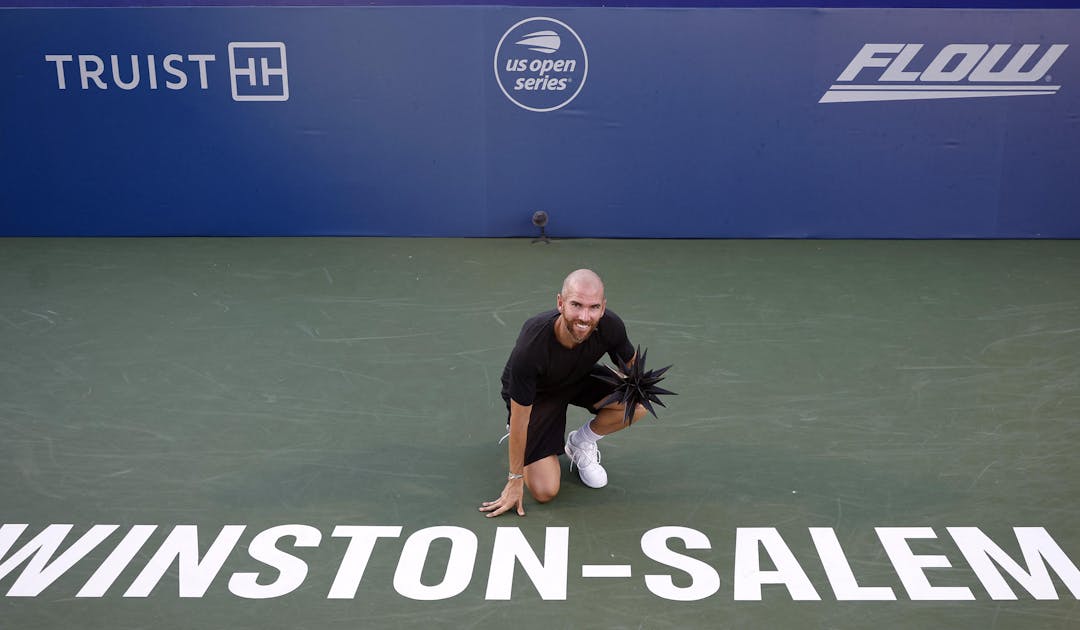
x=583, y=280
x=581, y=305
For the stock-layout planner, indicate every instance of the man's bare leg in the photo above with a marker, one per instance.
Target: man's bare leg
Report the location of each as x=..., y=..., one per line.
x=610, y=419
x=542, y=477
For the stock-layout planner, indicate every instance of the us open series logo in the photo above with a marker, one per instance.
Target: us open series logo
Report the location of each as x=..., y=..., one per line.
x=541, y=64
x=914, y=72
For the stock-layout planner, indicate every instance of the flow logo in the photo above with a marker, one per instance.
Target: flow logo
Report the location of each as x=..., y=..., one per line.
x=956, y=71
x=257, y=71
x=541, y=64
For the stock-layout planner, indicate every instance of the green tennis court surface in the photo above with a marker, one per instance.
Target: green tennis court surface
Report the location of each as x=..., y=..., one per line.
x=296, y=433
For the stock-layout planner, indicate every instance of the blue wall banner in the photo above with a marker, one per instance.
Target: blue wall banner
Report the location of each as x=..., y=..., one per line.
x=463, y=121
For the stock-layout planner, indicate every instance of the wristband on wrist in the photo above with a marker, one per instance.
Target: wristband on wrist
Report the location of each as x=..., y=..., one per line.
x=513, y=476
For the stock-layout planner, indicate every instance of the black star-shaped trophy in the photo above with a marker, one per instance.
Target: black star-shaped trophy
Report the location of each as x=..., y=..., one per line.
x=634, y=385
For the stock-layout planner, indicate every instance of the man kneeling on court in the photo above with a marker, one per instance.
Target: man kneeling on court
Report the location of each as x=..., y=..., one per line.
x=550, y=368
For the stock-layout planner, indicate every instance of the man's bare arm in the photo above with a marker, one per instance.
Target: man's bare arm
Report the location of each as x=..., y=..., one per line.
x=513, y=493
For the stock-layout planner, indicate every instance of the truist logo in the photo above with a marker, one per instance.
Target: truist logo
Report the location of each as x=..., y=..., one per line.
x=257, y=71
x=911, y=72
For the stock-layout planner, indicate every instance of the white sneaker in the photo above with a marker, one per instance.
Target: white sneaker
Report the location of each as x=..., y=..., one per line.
x=587, y=458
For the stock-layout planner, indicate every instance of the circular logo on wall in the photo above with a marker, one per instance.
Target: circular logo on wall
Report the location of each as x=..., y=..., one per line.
x=541, y=64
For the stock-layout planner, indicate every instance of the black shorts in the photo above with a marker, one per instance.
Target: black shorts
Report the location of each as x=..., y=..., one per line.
x=547, y=423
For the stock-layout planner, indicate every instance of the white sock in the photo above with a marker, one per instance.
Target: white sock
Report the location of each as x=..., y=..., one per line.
x=586, y=434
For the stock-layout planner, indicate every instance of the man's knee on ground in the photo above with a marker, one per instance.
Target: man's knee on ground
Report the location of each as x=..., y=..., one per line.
x=544, y=493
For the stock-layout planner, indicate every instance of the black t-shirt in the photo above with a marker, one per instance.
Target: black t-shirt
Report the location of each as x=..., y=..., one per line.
x=540, y=365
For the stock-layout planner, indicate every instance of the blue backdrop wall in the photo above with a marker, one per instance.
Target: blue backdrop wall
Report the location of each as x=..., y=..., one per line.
x=462, y=121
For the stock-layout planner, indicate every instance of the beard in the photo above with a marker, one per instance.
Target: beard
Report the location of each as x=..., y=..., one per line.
x=578, y=335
